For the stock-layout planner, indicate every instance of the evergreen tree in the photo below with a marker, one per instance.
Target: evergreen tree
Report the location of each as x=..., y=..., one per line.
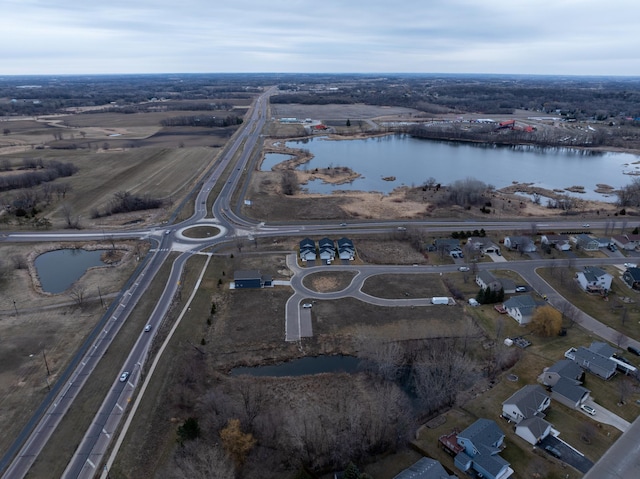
x=351, y=472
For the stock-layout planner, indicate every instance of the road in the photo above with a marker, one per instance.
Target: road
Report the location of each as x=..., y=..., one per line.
x=90, y=453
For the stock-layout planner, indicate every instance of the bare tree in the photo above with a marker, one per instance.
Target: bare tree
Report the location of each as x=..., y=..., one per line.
x=73, y=222
x=77, y=293
x=199, y=459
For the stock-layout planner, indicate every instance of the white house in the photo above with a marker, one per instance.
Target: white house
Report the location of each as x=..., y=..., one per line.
x=533, y=430
x=521, y=308
x=594, y=279
x=529, y=401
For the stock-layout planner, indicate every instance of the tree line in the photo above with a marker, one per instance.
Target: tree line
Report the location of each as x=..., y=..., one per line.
x=202, y=120
x=36, y=172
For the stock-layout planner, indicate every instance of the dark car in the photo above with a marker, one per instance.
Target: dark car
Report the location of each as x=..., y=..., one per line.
x=633, y=350
x=553, y=451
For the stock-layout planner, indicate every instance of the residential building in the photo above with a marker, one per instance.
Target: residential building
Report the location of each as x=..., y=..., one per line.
x=327, y=249
x=307, y=250
x=521, y=308
x=485, y=279
x=628, y=241
x=533, y=430
x=569, y=393
x=586, y=242
x=524, y=244
x=632, y=277
x=554, y=239
x=447, y=244
x=425, y=468
x=251, y=279
x=594, y=279
x=591, y=361
x=346, y=250
x=482, y=443
x=530, y=401
x=483, y=245
x=565, y=368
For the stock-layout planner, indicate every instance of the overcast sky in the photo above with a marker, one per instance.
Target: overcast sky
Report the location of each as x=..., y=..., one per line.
x=575, y=37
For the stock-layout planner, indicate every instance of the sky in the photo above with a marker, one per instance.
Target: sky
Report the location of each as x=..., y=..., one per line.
x=549, y=37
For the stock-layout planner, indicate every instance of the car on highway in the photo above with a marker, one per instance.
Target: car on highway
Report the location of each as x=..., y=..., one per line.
x=124, y=376
x=402, y=228
x=588, y=409
x=147, y=328
x=586, y=225
x=553, y=451
x=463, y=269
x=343, y=224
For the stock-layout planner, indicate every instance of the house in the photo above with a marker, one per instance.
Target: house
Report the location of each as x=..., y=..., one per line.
x=592, y=361
x=485, y=279
x=482, y=443
x=447, y=244
x=425, y=468
x=564, y=368
x=346, y=250
x=628, y=241
x=521, y=308
x=586, y=242
x=327, y=249
x=603, y=242
x=524, y=244
x=483, y=245
x=533, y=430
x=307, y=250
x=594, y=279
x=251, y=278
x=632, y=277
x=553, y=240
x=530, y=401
x=567, y=392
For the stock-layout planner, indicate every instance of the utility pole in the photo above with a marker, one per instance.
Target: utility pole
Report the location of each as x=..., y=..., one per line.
x=100, y=294
x=15, y=307
x=45, y=363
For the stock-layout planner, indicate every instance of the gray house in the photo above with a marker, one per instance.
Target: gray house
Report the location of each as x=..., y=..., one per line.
x=591, y=361
x=482, y=443
x=483, y=245
x=530, y=401
x=327, y=249
x=521, y=308
x=567, y=392
x=307, y=250
x=564, y=368
x=587, y=243
x=524, y=244
x=632, y=277
x=346, y=250
x=594, y=279
x=533, y=430
x=425, y=468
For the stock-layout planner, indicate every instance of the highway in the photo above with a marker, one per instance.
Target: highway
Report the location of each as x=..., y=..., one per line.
x=90, y=454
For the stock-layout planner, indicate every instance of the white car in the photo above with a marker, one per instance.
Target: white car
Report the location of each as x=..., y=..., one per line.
x=521, y=289
x=124, y=376
x=588, y=409
x=307, y=305
x=630, y=265
x=147, y=328
x=586, y=225
x=463, y=268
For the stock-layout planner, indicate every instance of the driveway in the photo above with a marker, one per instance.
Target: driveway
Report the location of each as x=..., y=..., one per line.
x=569, y=455
x=605, y=416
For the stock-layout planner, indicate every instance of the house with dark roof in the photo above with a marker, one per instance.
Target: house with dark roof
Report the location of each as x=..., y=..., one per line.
x=569, y=393
x=307, y=250
x=251, y=278
x=632, y=277
x=628, y=241
x=447, y=244
x=425, y=468
x=346, y=250
x=521, y=308
x=586, y=242
x=594, y=279
x=483, y=245
x=565, y=368
x=327, y=249
x=482, y=442
x=524, y=244
x=533, y=430
x=485, y=279
x=592, y=361
x=529, y=401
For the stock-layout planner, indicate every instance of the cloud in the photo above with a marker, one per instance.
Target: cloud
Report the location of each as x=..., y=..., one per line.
x=492, y=36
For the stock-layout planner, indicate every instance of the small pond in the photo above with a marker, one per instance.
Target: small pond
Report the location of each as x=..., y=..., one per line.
x=59, y=269
x=272, y=159
x=303, y=367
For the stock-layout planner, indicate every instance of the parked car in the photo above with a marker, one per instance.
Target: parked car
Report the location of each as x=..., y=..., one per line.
x=633, y=350
x=521, y=289
x=630, y=265
x=463, y=268
x=588, y=409
x=612, y=247
x=124, y=376
x=553, y=451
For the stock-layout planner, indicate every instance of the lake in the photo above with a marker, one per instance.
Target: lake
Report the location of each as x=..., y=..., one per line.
x=412, y=161
x=59, y=269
